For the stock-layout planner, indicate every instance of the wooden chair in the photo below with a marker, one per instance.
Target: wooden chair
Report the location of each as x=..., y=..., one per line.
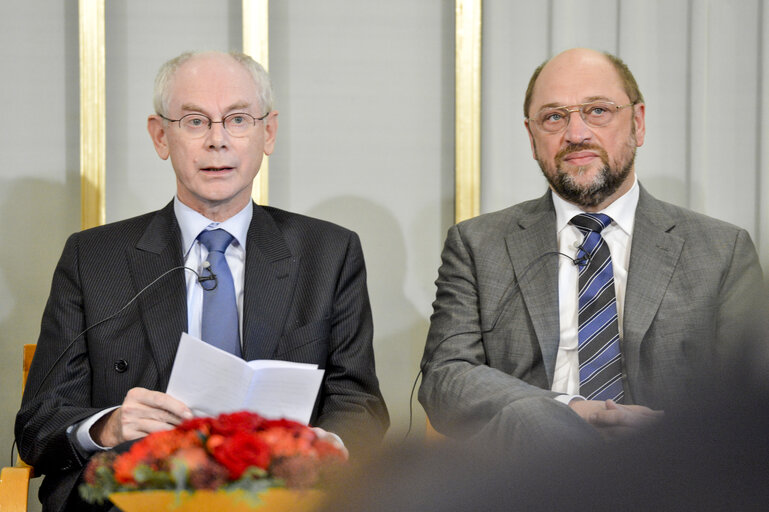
x=14, y=481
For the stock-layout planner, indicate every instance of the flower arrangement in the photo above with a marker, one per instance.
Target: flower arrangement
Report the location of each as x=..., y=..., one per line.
x=234, y=451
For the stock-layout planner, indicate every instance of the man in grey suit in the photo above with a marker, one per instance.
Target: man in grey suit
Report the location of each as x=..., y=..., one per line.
x=299, y=288
x=584, y=313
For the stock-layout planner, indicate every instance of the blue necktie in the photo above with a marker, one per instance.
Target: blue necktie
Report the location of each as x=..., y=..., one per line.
x=220, y=311
x=600, y=362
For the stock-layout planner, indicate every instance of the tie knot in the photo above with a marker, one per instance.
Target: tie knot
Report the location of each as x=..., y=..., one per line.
x=215, y=240
x=591, y=221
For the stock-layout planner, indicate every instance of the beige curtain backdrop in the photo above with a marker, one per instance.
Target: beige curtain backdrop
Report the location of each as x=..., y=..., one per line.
x=366, y=94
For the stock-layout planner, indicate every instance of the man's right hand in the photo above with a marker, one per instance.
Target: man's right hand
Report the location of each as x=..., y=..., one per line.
x=615, y=420
x=142, y=412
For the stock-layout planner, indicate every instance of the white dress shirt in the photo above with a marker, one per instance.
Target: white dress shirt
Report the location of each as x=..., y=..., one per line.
x=618, y=236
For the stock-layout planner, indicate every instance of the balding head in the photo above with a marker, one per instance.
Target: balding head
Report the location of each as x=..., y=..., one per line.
x=574, y=61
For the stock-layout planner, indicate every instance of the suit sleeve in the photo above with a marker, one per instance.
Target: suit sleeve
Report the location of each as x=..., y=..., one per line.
x=54, y=401
x=460, y=392
x=742, y=311
x=352, y=405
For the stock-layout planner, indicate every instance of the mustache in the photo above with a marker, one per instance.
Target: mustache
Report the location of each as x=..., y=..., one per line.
x=574, y=148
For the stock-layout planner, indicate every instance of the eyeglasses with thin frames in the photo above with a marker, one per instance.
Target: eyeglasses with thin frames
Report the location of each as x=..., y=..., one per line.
x=236, y=124
x=595, y=113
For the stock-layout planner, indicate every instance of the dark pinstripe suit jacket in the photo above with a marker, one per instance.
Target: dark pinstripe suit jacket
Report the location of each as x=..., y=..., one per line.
x=305, y=300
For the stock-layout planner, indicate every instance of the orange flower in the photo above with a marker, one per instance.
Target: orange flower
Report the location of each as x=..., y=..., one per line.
x=286, y=443
x=152, y=451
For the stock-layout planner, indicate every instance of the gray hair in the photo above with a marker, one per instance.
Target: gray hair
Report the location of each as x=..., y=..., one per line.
x=167, y=71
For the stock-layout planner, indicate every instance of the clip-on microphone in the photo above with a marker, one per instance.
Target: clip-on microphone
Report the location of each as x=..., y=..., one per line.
x=210, y=277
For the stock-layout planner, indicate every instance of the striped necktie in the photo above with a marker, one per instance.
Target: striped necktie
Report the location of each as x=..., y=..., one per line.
x=600, y=363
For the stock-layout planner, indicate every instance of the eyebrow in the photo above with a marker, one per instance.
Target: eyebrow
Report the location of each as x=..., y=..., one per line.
x=589, y=99
x=239, y=106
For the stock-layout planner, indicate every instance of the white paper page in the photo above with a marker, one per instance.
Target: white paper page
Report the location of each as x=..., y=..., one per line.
x=209, y=380
x=258, y=364
x=285, y=393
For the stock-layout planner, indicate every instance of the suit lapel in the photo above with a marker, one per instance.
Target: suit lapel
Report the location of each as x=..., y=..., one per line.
x=654, y=254
x=270, y=278
x=163, y=306
x=537, y=275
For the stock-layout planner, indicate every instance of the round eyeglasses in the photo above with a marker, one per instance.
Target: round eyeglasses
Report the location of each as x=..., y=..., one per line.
x=236, y=124
x=595, y=114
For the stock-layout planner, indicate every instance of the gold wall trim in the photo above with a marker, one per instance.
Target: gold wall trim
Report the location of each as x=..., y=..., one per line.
x=256, y=43
x=467, y=110
x=92, y=113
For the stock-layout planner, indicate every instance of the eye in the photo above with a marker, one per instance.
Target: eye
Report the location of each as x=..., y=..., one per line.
x=195, y=121
x=597, y=110
x=552, y=116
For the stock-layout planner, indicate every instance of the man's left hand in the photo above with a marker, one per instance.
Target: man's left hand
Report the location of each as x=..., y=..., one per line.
x=331, y=438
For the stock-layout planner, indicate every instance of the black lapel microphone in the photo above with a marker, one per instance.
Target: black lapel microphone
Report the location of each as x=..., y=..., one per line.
x=210, y=277
x=510, y=292
x=586, y=256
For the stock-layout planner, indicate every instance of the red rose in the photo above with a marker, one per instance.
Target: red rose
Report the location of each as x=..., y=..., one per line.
x=228, y=424
x=200, y=424
x=285, y=424
x=239, y=452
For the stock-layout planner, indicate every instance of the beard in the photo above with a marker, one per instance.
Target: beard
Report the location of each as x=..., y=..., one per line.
x=607, y=180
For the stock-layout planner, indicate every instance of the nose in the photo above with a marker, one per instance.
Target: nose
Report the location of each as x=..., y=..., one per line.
x=216, y=137
x=577, y=131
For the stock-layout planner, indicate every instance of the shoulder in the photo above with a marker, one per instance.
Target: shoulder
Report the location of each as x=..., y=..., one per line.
x=499, y=223
x=295, y=222
x=158, y=226
x=684, y=222
x=303, y=234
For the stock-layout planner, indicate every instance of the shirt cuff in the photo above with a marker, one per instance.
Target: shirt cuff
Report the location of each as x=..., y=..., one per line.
x=82, y=432
x=566, y=399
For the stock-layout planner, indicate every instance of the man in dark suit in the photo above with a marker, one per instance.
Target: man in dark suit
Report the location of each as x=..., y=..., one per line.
x=584, y=312
x=299, y=288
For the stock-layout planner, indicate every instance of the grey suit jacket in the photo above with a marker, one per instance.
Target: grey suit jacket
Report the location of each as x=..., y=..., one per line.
x=305, y=300
x=494, y=332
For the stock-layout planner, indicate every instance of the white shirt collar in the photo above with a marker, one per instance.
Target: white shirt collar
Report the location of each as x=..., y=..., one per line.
x=191, y=223
x=621, y=211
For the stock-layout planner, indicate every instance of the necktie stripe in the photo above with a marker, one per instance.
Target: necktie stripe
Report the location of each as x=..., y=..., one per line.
x=595, y=303
x=600, y=368
x=597, y=280
x=603, y=325
x=600, y=318
x=599, y=361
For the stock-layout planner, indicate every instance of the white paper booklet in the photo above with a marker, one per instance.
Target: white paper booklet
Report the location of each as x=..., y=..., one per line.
x=211, y=381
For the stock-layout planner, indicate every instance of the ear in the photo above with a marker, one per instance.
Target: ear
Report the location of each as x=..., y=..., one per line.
x=639, y=120
x=270, y=132
x=158, y=135
x=531, y=139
